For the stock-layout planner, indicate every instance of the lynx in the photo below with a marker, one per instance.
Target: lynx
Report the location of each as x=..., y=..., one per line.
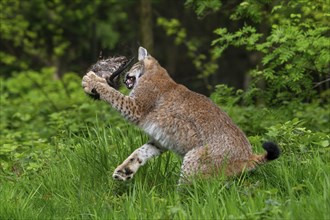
x=179, y=120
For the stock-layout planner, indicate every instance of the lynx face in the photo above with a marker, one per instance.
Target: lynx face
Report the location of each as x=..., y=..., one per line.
x=133, y=75
x=137, y=70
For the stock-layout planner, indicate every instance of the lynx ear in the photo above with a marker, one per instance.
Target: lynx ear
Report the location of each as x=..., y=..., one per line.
x=143, y=53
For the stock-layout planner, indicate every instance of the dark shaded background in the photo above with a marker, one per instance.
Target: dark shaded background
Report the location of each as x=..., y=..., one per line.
x=71, y=35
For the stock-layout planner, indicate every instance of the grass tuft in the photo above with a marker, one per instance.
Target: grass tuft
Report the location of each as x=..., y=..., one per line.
x=78, y=184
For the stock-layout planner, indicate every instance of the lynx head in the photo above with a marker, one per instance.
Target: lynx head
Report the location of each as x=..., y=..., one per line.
x=139, y=69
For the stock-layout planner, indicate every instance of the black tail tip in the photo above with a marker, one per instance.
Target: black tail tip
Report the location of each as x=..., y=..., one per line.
x=273, y=151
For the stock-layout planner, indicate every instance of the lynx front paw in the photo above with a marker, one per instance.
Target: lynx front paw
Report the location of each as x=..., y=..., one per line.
x=89, y=82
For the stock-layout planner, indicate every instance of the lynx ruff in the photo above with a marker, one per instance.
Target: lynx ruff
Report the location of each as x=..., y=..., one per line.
x=179, y=120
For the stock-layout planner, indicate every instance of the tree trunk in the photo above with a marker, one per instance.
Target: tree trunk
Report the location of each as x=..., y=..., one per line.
x=59, y=65
x=58, y=68
x=146, y=34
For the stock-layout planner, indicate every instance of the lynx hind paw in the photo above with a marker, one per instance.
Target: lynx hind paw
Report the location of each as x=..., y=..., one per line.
x=123, y=174
x=126, y=170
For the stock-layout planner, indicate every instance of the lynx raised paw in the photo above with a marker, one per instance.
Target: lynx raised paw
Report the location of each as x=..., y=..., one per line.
x=89, y=82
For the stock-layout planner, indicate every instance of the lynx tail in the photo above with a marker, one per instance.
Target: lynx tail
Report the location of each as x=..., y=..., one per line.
x=273, y=151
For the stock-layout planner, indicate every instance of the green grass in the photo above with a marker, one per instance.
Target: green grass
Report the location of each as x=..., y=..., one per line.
x=77, y=184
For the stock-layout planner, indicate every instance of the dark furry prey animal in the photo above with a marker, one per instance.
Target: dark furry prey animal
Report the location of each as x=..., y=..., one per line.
x=110, y=69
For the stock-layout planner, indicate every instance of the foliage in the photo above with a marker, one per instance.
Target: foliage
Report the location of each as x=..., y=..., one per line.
x=293, y=58
x=297, y=139
x=34, y=110
x=205, y=67
x=52, y=33
x=203, y=8
x=294, y=53
x=314, y=116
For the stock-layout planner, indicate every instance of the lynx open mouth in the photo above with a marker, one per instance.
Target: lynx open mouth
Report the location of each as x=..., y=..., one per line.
x=130, y=82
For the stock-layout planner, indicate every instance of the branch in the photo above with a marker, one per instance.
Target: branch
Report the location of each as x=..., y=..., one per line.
x=320, y=83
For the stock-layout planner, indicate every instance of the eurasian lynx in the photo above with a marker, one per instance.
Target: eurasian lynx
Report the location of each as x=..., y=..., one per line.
x=177, y=119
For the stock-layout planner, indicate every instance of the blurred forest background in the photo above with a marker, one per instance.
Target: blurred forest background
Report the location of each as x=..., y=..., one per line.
x=200, y=43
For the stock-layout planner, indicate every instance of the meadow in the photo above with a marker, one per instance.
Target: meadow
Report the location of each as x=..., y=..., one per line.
x=58, y=153
x=59, y=148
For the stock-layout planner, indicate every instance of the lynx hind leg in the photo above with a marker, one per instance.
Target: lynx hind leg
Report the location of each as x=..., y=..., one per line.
x=195, y=163
x=138, y=158
x=201, y=163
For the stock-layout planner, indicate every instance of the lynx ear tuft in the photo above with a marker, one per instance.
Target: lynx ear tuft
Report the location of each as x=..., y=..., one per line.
x=143, y=53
